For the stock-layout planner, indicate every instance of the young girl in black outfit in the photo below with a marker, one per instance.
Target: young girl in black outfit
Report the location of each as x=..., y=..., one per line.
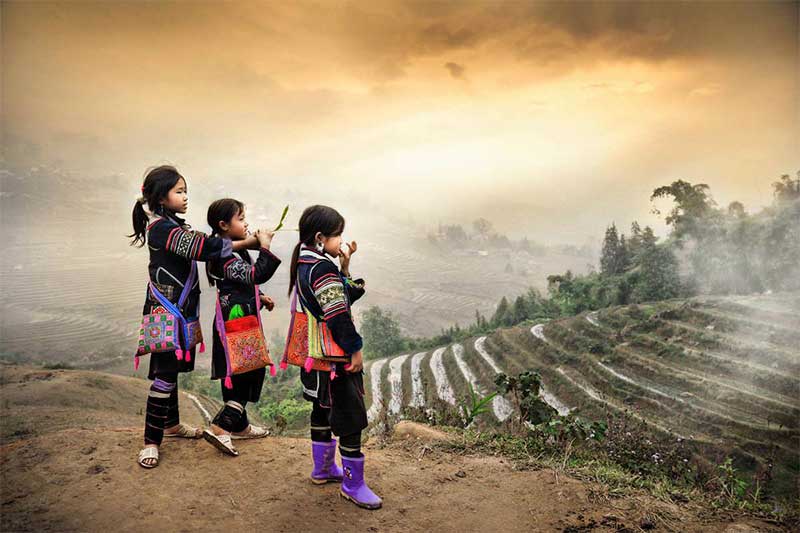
x=235, y=277
x=327, y=292
x=173, y=248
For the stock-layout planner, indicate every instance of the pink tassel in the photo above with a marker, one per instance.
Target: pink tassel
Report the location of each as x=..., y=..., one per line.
x=136, y=363
x=202, y=347
x=272, y=371
x=333, y=374
x=228, y=383
x=308, y=364
x=188, y=356
x=284, y=365
x=179, y=354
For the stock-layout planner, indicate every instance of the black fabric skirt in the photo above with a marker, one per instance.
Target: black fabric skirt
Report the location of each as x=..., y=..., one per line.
x=165, y=363
x=344, y=396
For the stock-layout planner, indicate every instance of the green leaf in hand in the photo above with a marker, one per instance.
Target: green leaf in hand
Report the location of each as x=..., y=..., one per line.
x=283, y=217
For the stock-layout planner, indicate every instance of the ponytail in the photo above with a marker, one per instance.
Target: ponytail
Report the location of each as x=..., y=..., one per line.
x=293, y=268
x=157, y=183
x=139, y=216
x=211, y=282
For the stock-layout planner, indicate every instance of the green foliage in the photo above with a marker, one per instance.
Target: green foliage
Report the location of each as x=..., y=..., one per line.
x=786, y=189
x=726, y=251
x=200, y=384
x=381, y=333
x=502, y=315
x=730, y=250
x=658, y=277
x=541, y=419
x=693, y=205
x=570, y=428
x=475, y=405
x=614, y=258
x=287, y=412
x=525, y=388
x=732, y=488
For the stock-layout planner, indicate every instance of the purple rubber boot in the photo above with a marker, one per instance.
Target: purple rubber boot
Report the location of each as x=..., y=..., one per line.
x=353, y=486
x=325, y=467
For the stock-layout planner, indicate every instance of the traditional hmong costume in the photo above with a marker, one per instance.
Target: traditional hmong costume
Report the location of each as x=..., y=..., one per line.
x=338, y=396
x=236, y=277
x=173, y=249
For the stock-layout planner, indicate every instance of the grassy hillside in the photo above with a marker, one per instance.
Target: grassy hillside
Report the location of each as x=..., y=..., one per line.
x=721, y=374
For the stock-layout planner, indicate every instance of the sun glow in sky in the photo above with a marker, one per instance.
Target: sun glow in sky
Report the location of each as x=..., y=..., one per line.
x=549, y=118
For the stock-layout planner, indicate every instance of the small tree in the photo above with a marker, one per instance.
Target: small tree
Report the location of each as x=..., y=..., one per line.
x=658, y=276
x=525, y=389
x=482, y=227
x=381, y=333
x=502, y=315
x=610, y=256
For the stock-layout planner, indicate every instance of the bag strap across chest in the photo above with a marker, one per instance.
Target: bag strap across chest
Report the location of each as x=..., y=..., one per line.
x=176, y=310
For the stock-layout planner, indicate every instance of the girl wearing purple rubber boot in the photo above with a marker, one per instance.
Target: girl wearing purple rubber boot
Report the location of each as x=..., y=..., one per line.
x=326, y=292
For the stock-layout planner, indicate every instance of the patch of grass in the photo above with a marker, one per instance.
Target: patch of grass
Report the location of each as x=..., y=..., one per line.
x=592, y=461
x=97, y=382
x=57, y=366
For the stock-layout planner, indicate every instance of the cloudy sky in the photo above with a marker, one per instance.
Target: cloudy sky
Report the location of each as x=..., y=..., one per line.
x=547, y=118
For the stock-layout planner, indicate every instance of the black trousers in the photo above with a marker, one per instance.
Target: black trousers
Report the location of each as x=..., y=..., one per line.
x=343, y=397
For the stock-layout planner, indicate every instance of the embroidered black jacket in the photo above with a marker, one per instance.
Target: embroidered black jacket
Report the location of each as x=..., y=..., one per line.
x=173, y=246
x=236, y=274
x=328, y=294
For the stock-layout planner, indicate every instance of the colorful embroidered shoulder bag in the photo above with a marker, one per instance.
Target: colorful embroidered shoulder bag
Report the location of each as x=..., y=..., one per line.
x=243, y=341
x=165, y=328
x=309, y=343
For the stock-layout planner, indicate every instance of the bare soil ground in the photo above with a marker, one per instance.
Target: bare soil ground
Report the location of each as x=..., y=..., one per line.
x=70, y=439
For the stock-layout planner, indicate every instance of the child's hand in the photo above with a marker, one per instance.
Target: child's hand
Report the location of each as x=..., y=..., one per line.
x=264, y=238
x=346, y=252
x=356, y=363
x=267, y=302
x=352, y=247
x=248, y=243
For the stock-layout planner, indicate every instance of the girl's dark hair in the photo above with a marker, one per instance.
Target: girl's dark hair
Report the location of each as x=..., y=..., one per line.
x=222, y=210
x=157, y=183
x=315, y=219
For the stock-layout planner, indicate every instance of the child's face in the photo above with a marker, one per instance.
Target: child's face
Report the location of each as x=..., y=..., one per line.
x=177, y=199
x=238, y=228
x=333, y=244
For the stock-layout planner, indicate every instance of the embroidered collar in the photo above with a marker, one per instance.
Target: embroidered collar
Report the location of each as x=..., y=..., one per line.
x=310, y=255
x=152, y=218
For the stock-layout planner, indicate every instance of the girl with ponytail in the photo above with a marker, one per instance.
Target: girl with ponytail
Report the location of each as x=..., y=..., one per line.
x=237, y=277
x=326, y=292
x=173, y=248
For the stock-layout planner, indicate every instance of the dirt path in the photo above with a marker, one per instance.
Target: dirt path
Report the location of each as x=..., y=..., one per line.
x=66, y=474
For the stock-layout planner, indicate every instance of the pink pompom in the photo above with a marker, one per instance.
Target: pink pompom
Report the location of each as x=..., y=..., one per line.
x=308, y=364
x=272, y=371
x=179, y=354
x=333, y=374
x=136, y=363
x=202, y=347
x=284, y=365
x=188, y=356
x=228, y=383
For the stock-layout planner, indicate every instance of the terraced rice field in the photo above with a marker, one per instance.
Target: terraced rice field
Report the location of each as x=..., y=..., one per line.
x=722, y=373
x=73, y=289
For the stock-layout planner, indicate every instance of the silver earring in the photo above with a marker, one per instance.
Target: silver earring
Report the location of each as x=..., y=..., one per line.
x=320, y=247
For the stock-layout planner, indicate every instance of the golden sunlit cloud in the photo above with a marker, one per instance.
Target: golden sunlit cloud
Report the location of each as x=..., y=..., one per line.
x=442, y=109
